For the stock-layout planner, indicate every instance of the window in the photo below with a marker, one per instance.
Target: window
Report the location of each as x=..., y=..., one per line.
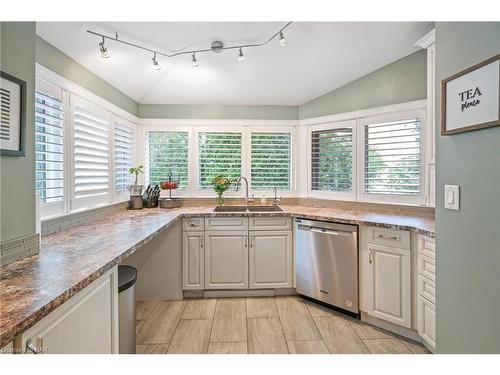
x=49, y=164
x=392, y=158
x=124, y=143
x=167, y=153
x=271, y=161
x=219, y=153
x=331, y=160
x=91, y=153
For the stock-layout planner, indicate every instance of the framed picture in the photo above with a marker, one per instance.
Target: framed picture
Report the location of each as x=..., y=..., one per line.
x=471, y=98
x=12, y=115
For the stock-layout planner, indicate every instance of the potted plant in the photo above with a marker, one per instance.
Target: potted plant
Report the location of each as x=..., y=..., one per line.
x=221, y=184
x=135, y=189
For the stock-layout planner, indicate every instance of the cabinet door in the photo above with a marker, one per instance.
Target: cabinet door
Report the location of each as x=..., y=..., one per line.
x=226, y=260
x=270, y=259
x=85, y=324
x=426, y=321
x=390, y=278
x=193, y=259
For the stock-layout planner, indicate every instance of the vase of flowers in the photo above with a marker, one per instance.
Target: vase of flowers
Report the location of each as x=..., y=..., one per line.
x=221, y=184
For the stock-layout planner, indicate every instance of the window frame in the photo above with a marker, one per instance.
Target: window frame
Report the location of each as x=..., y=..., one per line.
x=391, y=198
x=337, y=195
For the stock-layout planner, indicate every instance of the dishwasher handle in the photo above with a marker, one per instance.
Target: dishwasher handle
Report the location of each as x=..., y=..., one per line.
x=324, y=230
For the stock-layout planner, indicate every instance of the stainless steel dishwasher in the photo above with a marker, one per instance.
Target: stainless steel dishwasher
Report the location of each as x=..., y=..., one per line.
x=327, y=262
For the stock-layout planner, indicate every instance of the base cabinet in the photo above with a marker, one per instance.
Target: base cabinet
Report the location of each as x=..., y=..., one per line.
x=270, y=259
x=85, y=324
x=226, y=260
x=426, y=291
x=426, y=321
x=193, y=260
x=386, y=283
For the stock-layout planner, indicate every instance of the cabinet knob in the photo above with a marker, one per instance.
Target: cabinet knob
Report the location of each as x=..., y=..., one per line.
x=30, y=347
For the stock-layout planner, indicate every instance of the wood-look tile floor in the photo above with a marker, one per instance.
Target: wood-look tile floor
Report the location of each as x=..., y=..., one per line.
x=263, y=325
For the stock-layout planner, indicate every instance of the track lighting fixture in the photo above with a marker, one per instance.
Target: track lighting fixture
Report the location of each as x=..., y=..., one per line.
x=156, y=64
x=104, y=51
x=240, y=56
x=217, y=46
x=282, y=40
x=194, y=61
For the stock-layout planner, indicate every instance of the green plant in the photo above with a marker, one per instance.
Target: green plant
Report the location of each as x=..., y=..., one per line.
x=136, y=171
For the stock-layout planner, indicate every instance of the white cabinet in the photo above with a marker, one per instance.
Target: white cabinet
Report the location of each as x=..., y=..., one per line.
x=270, y=259
x=386, y=279
x=193, y=260
x=226, y=259
x=85, y=324
x=426, y=297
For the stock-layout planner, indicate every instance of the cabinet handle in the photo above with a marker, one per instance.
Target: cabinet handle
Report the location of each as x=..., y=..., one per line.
x=30, y=347
x=370, y=252
x=387, y=238
x=201, y=242
x=246, y=241
x=251, y=241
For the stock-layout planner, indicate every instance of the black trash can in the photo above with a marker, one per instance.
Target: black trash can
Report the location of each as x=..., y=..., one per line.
x=127, y=276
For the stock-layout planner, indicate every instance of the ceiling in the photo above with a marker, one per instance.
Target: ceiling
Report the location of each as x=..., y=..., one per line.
x=319, y=57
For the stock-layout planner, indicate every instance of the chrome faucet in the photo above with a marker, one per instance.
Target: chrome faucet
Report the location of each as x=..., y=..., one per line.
x=238, y=183
x=276, y=200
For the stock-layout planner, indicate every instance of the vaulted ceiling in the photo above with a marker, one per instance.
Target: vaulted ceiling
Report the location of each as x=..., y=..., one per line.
x=319, y=57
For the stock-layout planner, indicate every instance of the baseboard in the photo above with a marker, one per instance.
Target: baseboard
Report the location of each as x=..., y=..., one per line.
x=402, y=331
x=239, y=293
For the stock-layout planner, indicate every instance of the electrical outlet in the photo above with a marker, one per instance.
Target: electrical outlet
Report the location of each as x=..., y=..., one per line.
x=452, y=197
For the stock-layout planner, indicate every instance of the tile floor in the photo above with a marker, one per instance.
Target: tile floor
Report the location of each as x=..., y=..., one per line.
x=267, y=325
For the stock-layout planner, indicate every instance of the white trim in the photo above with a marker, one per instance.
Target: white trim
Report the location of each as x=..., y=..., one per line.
x=65, y=84
x=216, y=122
x=427, y=40
x=400, y=107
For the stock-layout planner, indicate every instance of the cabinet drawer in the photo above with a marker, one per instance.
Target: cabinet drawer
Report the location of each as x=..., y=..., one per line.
x=226, y=223
x=270, y=223
x=389, y=237
x=426, y=288
x=193, y=224
x=426, y=267
x=427, y=246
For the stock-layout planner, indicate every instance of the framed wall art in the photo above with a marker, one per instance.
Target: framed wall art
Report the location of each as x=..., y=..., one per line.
x=12, y=115
x=471, y=98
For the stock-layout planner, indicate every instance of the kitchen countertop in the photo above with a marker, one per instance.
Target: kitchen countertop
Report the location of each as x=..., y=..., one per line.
x=71, y=259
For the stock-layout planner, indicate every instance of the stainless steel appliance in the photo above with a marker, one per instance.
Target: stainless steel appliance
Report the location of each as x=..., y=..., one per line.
x=327, y=262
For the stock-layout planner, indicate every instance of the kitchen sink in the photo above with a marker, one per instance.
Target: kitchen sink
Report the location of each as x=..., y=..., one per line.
x=247, y=209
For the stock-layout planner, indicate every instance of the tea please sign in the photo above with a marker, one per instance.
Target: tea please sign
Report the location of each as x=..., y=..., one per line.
x=471, y=98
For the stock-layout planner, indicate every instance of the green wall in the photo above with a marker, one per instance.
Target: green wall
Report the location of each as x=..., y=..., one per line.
x=468, y=241
x=17, y=174
x=60, y=63
x=401, y=81
x=173, y=111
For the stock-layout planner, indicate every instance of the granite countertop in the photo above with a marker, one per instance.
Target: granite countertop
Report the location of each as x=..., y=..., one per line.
x=71, y=259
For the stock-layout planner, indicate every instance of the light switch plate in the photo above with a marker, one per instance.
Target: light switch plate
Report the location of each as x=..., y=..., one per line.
x=452, y=197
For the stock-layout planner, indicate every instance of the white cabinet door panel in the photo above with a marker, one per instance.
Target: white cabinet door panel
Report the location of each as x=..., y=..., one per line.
x=270, y=259
x=226, y=260
x=426, y=320
x=85, y=324
x=193, y=260
x=391, y=278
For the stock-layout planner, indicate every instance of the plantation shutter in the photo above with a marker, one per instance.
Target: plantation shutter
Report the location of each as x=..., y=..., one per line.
x=392, y=157
x=331, y=160
x=91, y=152
x=219, y=153
x=167, y=153
x=49, y=149
x=124, y=143
x=271, y=161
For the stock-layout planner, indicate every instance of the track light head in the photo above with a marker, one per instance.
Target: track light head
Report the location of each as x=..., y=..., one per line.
x=156, y=64
x=104, y=51
x=194, y=62
x=241, y=58
x=282, y=40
